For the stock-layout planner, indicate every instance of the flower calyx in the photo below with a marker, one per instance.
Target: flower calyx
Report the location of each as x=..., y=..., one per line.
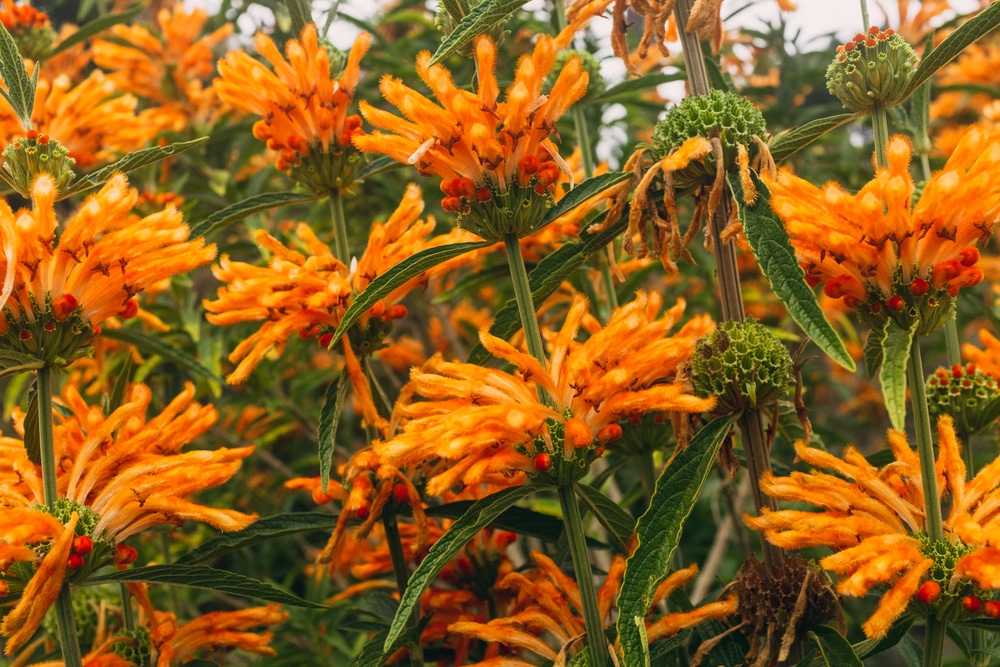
x=967, y=394
x=563, y=454
x=56, y=335
x=87, y=553
x=872, y=68
x=27, y=158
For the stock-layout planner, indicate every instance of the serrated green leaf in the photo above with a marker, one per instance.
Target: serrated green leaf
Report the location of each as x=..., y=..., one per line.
x=896, y=343
x=615, y=520
x=873, y=352
x=899, y=628
x=464, y=529
x=300, y=13
x=32, y=442
x=379, y=165
x=776, y=257
x=482, y=17
x=374, y=654
x=20, y=93
x=153, y=345
x=834, y=647
x=911, y=650
x=519, y=520
x=641, y=85
x=658, y=532
x=333, y=405
x=546, y=278
x=581, y=193
x=200, y=576
x=262, y=202
x=661, y=648
x=128, y=163
x=95, y=27
x=410, y=267
x=262, y=530
x=981, y=24
x=785, y=144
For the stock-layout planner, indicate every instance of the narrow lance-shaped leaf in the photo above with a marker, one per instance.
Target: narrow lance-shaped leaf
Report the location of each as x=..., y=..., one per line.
x=264, y=530
x=773, y=250
x=834, y=648
x=899, y=629
x=981, y=24
x=333, y=405
x=581, y=193
x=615, y=520
x=482, y=17
x=154, y=345
x=519, y=520
x=787, y=143
x=464, y=529
x=95, y=27
x=129, y=163
x=200, y=576
x=20, y=92
x=658, y=533
x=409, y=268
x=896, y=343
x=223, y=218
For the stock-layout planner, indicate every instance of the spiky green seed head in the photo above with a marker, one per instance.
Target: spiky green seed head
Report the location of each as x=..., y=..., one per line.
x=871, y=68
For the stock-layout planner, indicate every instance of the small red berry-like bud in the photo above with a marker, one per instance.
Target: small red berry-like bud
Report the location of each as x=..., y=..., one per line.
x=63, y=306
x=362, y=512
x=968, y=256
x=929, y=592
x=505, y=538
x=466, y=188
x=484, y=194
x=74, y=562
x=24, y=335
x=125, y=555
x=378, y=310
x=992, y=608
x=528, y=165
x=635, y=417
x=895, y=302
x=3, y=589
x=860, y=37
x=920, y=287
x=956, y=371
x=324, y=340
x=599, y=451
x=971, y=604
x=396, y=312
x=876, y=308
x=451, y=204
x=82, y=545
x=32, y=134
x=874, y=30
x=49, y=326
x=306, y=334
x=400, y=493
x=543, y=462
x=129, y=310
x=609, y=433
x=851, y=301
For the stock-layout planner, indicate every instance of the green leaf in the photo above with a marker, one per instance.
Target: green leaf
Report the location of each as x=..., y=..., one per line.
x=658, y=532
x=773, y=249
x=20, y=93
x=836, y=650
x=117, y=396
x=375, y=653
x=95, y=27
x=519, y=520
x=641, y=85
x=410, y=267
x=546, y=278
x=873, y=352
x=896, y=343
x=153, y=345
x=581, y=193
x=911, y=650
x=868, y=647
x=982, y=24
x=660, y=649
x=263, y=530
x=379, y=165
x=200, y=576
x=129, y=163
x=333, y=405
x=32, y=442
x=482, y=17
x=300, y=13
x=464, y=529
x=987, y=624
x=262, y=202
x=615, y=520
x=785, y=144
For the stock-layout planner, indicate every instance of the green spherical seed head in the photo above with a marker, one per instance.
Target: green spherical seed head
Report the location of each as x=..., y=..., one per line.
x=25, y=159
x=743, y=364
x=134, y=646
x=871, y=68
x=967, y=394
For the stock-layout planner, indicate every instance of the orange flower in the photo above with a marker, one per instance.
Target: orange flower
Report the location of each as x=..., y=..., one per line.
x=884, y=254
x=303, y=108
x=30, y=28
x=308, y=294
x=493, y=156
x=55, y=292
x=481, y=424
x=547, y=601
x=874, y=520
x=170, y=68
x=18, y=528
x=988, y=358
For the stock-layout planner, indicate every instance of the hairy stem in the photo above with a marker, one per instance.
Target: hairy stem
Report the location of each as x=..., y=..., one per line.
x=934, y=634
x=525, y=303
x=880, y=129
x=341, y=245
x=925, y=443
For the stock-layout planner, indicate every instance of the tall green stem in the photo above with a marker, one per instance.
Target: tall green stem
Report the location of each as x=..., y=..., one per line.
x=934, y=633
x=402, y=575
x=880, y=129
x=925, y=443
x=64, y=603
x=864, y=16
x=341, y=245
x=596, y=642
x=525, y=303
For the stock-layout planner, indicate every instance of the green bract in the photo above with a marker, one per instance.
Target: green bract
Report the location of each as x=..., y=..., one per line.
x=25, y=159
x=871, y=68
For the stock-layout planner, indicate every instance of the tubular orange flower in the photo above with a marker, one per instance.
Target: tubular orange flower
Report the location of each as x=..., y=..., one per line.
x=873, y=518
x=987, y=358
x=887, y=256
x=483, y=424
x=303, y=108
x=493, y=156
x=170, y=68
x=30, y=28
x=58, y=285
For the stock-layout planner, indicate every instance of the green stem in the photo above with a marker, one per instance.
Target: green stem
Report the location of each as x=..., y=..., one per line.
x=127, y=608
x=925, y=443
x=583, y=136
x=341, y=245
x=402, y=575
x=864, y=16
x=935, y=632
x=68, y=639
x=880, y=128
x=596, y=641
x=525, y=303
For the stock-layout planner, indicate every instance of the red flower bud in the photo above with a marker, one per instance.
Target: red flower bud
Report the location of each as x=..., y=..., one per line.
x=895, y=302
x=63, y=306
x=543, y=462
x=82, y=545
x=971, y=604
x=929, y=592
x=74, y=562
x=129, y=310
x=992, y=608
x=920, y=287
x=125, y=555
x=400, y=493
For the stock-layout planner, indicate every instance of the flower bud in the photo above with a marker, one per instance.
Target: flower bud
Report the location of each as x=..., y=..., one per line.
x=870, y=69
